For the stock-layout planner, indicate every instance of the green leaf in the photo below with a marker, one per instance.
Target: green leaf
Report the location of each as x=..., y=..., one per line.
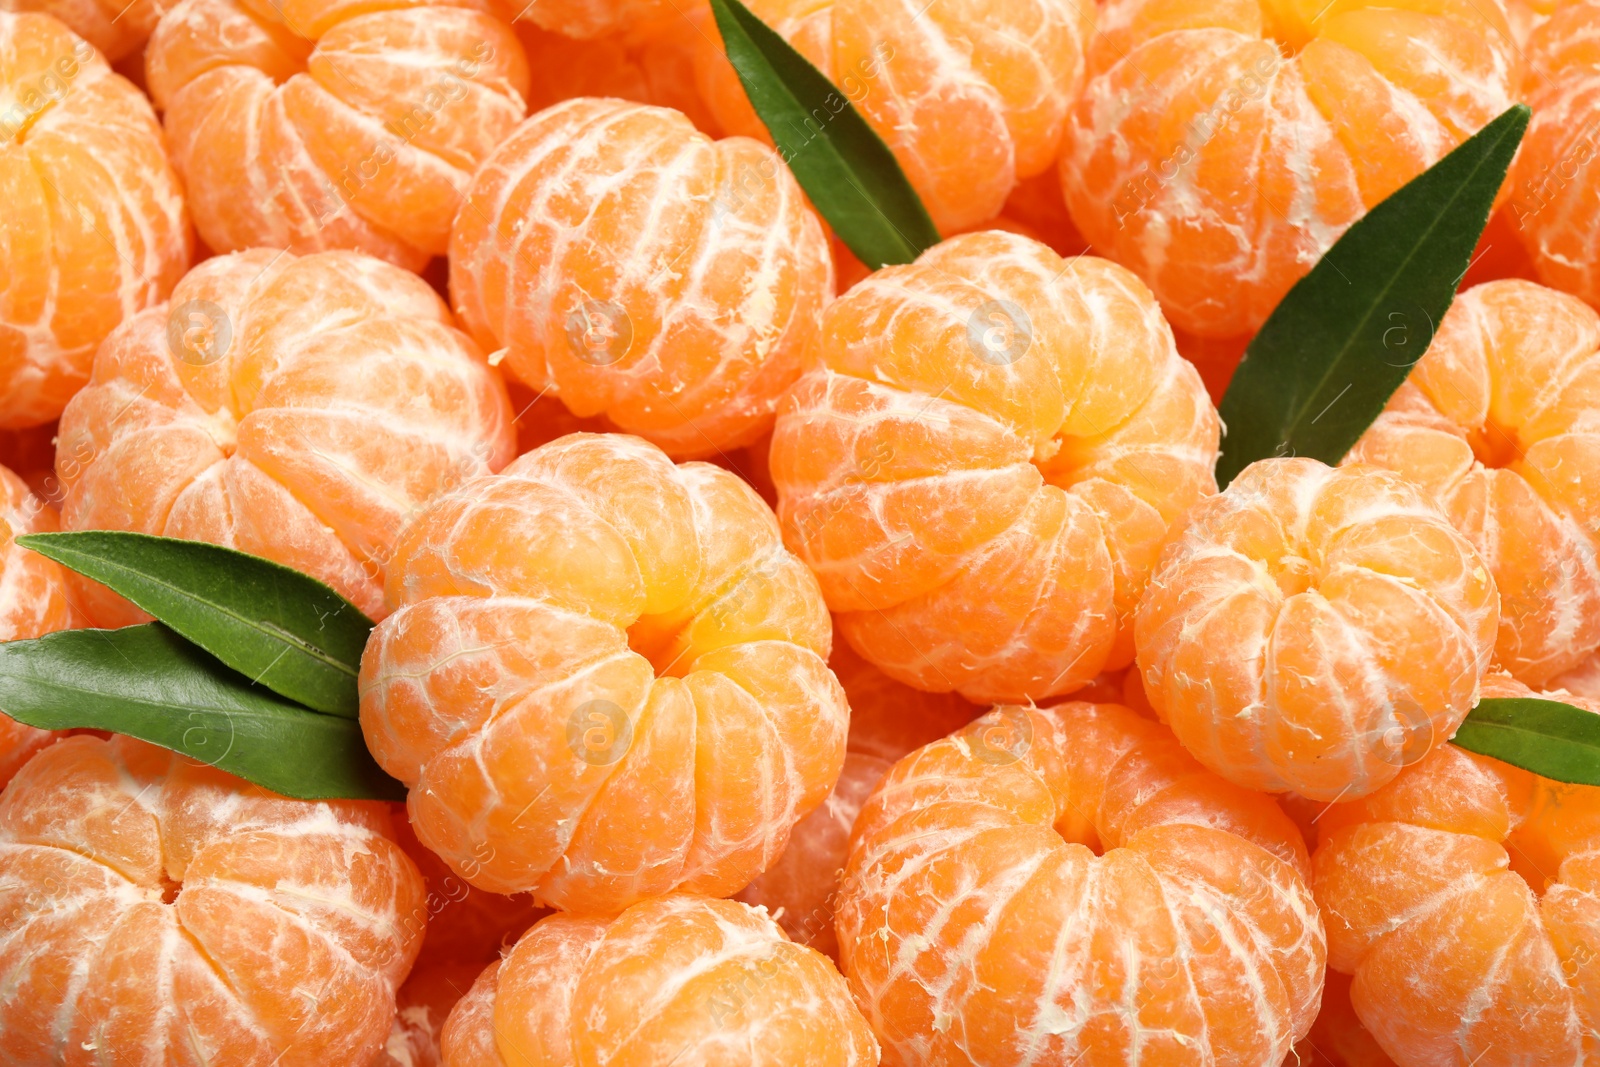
x=1549, y=738
x=852, y=178
x=149, y=683
x=1344, y=338
x=284, y=629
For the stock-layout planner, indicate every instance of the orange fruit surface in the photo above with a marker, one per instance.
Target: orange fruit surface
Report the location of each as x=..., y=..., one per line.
x=1555, y=200
x=423, y=1005
x=1464, y=898
x=34, y=601
x=596, y=18
x=1067, y=886
x=887, y=720
x=1221, y=146
x=970, y=95
x=1500, y=422
x=1314, y=629
x=317, y=124
x=633, y=267
x=1337, y=1038
x=94, y=228
x=677, y=980
x=299, y=408
x=604, y=678
x=115, y=28
x=155, y=910
x=984, y=462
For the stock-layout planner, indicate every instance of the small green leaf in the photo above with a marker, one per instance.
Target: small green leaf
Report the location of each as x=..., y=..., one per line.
x=284, y=629
x=852, y=178
x=1344, y=338
x=1549, y=738
x=147, y=682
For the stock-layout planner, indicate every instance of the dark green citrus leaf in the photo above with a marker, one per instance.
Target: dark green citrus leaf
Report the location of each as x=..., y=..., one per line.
x=1344, y=338
x=852, y=178
x=284, y=629
x=147, y=682
x=1549, y=738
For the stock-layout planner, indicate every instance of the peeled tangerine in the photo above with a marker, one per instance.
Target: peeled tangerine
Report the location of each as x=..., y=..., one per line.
x=1221, y=146
x=983, y=463
x=635, y=268
x=677, y=980
x=604, y=678
x=298, y=408
x=887, y=720
x=154, y=910
x=1500, y=421
x=94, y=227
x=971, y=95
x=321, y=124
x=1555, y=200
x=1314, y=629
x=1064, y=886
x=1464, y=897
x=33, y=602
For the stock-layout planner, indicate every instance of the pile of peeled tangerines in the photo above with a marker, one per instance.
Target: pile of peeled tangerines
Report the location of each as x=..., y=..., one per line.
x=791, y=663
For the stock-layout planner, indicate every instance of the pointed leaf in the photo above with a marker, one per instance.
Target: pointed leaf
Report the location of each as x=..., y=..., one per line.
x=147, y=682
x=1344, y=338
x=285, y=630
x=1549, y=738
x=850, y=175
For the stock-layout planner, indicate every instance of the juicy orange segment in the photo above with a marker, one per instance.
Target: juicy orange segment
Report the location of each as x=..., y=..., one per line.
x=971, y=95
x=1067, y=885
x=1218, y=149
x=983, y=464
x=298, y=408
x=319, y=124
x=1462, y=898
x=1315, y=629
x=604, y=678
x=94, y=228
x=1500, y=422
x=637, y=269
x=154, y=908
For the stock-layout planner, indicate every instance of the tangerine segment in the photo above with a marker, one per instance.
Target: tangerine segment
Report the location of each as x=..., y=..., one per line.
x=971, y=95
x=298, y=408
x=638, y=19
x=114, y=29
x=1555, y=201
x=604, y=678
x=1066, y=886
x=677, y=979
x=983, y=465
x=639, y=270
x=1337, y=1038
x=1500, y=422
x=320, y=124
x=161, y=911
x=1314, y=629
x=1218, y=149
x=95, y=227
x=887, y=720
x=1463, y=899
x=422, y=1006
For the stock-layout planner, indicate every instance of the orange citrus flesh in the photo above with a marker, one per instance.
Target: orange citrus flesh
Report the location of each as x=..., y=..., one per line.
x=94, y=228
x=1221, y=146
x=887, y=720
x=970, y=95
x=1314, y=629
x=155, y=910
x=604, y=678
x=984, y=462
x=634, y=268
x=1555, y=201
x=319, y=124
x=422, y=1006
x=1464, y=898
x=677, y=979
x=1065, y=885
x=597, y=18
x=1337, y=1038
x=298, y=408
x=115, y=28
x=1500, y=422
